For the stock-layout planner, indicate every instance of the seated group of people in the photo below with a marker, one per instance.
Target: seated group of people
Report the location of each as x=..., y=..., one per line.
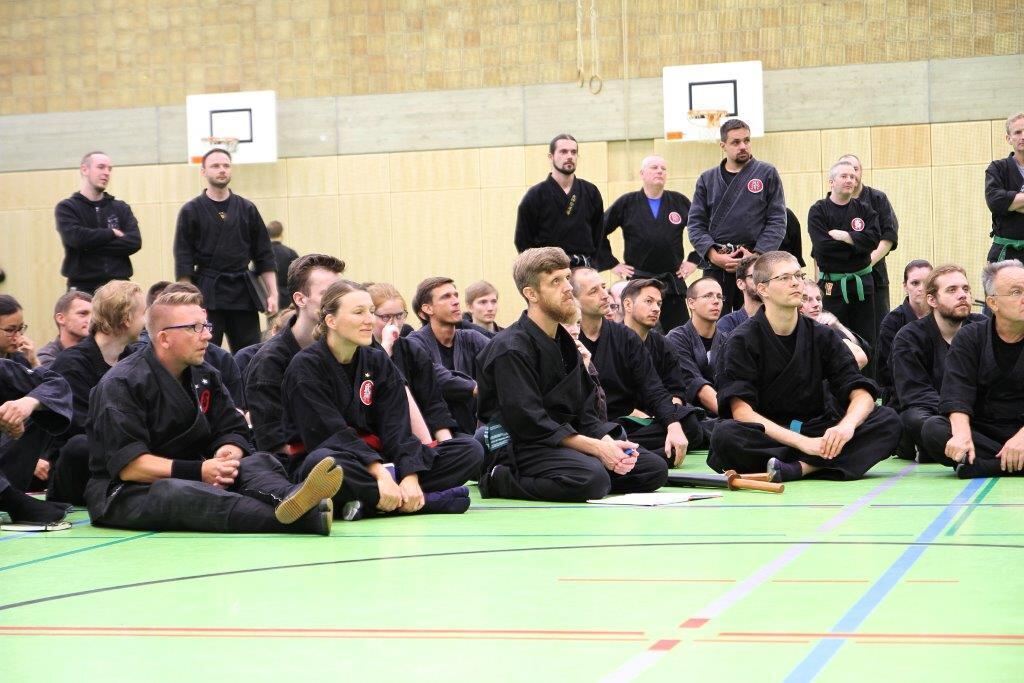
x=346, y=412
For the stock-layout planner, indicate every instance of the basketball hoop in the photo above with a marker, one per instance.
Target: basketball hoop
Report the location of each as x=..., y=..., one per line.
x=712, y=117
x=228, y=144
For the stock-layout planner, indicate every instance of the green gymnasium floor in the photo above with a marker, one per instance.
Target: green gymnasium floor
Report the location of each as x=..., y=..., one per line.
x=907, y=575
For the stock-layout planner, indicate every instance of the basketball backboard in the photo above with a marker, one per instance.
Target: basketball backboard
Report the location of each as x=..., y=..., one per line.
x=699, y=98
x=245, y=119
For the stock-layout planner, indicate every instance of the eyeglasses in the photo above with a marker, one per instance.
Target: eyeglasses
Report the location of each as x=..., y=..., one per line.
x=1012, y=294
x=711, y=296
x=195, y=327
x=614, y=307
x=387, y=318
x=787, y=278
x=14, y=330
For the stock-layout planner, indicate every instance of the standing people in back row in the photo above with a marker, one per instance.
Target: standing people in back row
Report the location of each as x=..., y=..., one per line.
x=217, y=235
x=99, y=232
x=1004, y=193
x=565, y=211
x=738, y=208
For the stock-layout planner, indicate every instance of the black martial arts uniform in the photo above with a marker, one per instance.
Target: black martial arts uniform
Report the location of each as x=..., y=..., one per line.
x=784, y=380
x=243, y=357
x=213, y=245
x=537, y=389
x=1003, y=180
x=631, y=381
x=263, y=378
x=793, y=243
x=888, y=228
x=417, y=370
x=550, y=217
x=697, y=362
x=847, y=286
x=224, y=363
x=359, y=414
x=653, y=245
x=891, y=324
x=283, y=257
x=18, y=457
x=747, y=208
x=93, y=254
x=83, y=366
x=917, y=363
x=983, y=378
x=730, y=321
x=457, y=376
x=139, y=408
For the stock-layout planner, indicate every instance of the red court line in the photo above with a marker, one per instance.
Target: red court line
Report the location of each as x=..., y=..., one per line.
x=869, y=636
x=327, y=636
x=693, y=623
x=664, y=645
x=751, y=640
x=212, y=630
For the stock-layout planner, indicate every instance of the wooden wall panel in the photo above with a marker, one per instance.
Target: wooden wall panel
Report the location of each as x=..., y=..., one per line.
x=835, y=143
x=367, y=244
x=359, y=173
x=255, y=181
x=313, y=225
x=144, y=184
x=502, y=167
x=312, y=176
x=1000, y=146
x=955, y=144
x=910, y=192
x=441, y=170
x=497, y=221
x=901, y=146
x=961, y=219
x=790, y=152
x=155, y=261
x=688, y=159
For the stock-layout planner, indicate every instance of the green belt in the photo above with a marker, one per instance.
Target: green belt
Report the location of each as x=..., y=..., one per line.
x=843, y=278
x=1005, y=244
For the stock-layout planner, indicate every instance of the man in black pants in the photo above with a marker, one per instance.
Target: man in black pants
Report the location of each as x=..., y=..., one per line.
x=533, y=386
x=980, y=426
x=776, y=415
x=217, y=235
x=738, y=209
x=652, y=221
x=169, y=451
x=99, y=233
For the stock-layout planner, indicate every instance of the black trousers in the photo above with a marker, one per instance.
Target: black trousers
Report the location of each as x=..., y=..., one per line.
x=456, y=461
x=733, y=294
x=185, y=505
x=881, y=305
x=744, y=447
x=69, y=472
x=241, y=327
x=673, y=311
x=859, y=316
x=913, y=420
x=988, y=441
x=652, y=436
x=18, y=457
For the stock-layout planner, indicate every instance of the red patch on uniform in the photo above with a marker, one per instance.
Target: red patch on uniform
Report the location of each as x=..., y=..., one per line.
x=204, y=401
x=366, y=392
x=755, y=185
x=857, y=224
x=674, y=218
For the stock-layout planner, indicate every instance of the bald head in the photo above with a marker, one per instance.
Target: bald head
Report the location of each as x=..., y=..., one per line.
x=653, y=173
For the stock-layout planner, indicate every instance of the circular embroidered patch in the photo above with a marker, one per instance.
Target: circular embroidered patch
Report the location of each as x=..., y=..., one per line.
x=674, y=218
x=857, y=224
x=755, y=185
x=366, y=392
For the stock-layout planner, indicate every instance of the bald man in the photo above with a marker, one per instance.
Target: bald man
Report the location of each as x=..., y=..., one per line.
x=652, y=221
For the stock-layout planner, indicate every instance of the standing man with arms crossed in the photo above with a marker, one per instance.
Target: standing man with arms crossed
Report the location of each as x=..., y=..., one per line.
x=1004, y=193
x=217, y=235
x=565, y=211
x=652, y=221
x=740, y=203
x=99, y=232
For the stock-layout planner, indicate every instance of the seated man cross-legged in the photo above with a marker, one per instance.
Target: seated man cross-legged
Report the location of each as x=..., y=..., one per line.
x=772, y=392
x=170, y=452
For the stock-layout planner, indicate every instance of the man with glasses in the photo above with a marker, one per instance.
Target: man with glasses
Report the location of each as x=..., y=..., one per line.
x=453, y=350
x=308, y=277
x=169, y=451
x=636, y=397
x=14, y=345
x=980, y=427
x=776, y=416
x=844, y=233
x=698, y=344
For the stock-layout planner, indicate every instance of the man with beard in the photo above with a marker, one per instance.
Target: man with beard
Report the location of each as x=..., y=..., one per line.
x=738, y=208
x=914, y=306
x=751, y=301
x=652, y=221
x=454, y=351
x=888, y=227
x=1004, y=194
x=565, y=211
x=772, y=397
x=698, y=344
x=636, y=397
x=980, y=427
x=534, y=387
x=71, y=314
x=918, y=358
x=217, y=235
x=99, y=232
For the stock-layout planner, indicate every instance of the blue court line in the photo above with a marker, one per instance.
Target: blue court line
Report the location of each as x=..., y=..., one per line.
x=76, y=551
x=955, y=526
x=826, y=649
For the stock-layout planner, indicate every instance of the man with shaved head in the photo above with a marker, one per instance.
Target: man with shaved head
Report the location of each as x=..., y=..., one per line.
x=652, y=221
x=168, y=451
x=99, y=233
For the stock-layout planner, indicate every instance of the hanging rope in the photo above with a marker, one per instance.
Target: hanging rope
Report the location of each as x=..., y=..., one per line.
x=580, y=80
x=596, y=82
